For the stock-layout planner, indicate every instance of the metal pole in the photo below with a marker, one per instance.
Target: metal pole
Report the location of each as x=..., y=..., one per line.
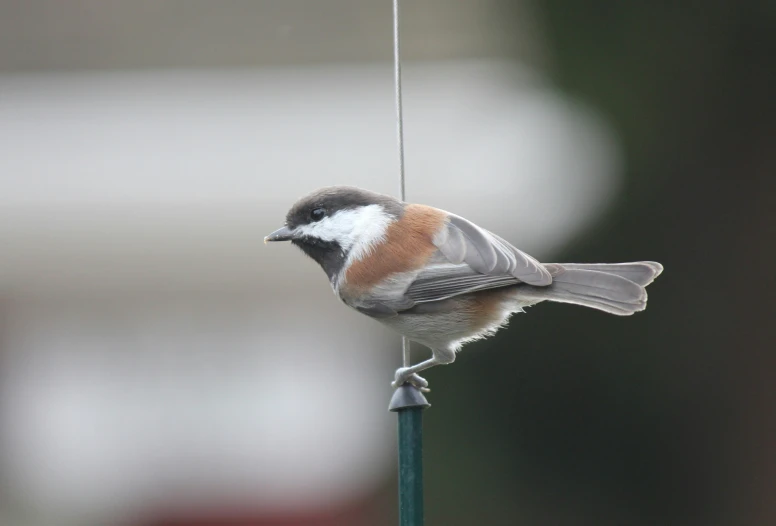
x=410, y=403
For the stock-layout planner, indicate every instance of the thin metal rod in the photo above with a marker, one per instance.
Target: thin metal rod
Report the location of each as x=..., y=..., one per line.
x=405, y=343
x=399, y=114
x=406, y=360
x=407, y=400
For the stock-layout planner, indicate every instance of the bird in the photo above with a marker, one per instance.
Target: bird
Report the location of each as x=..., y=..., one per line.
x=437, y=278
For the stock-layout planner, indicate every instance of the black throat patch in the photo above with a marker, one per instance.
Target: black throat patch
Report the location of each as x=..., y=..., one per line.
x=328, y=254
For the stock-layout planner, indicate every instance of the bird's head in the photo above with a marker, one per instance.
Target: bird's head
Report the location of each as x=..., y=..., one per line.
x=337, y=222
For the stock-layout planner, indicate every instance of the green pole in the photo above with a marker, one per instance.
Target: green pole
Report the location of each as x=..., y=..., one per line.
x=410, y=403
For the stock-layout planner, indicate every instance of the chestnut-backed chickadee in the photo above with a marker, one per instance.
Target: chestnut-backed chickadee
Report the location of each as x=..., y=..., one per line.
x=437, y=278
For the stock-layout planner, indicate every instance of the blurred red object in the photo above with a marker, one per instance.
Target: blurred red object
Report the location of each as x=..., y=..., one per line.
x=357, y=514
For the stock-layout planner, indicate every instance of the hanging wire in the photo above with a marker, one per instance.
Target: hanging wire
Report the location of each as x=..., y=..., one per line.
x=397, y=78
x=405, y=343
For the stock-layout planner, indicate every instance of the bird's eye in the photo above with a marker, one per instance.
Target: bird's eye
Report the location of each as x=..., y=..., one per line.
x=317, y=214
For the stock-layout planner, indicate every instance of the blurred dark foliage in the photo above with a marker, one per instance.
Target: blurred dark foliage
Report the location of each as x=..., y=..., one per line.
x=668, y=417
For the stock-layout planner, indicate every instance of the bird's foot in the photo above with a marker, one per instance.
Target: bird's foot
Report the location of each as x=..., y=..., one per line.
x=404, y=376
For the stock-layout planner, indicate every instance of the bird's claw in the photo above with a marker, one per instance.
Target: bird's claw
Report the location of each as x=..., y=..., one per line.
x=402, y=377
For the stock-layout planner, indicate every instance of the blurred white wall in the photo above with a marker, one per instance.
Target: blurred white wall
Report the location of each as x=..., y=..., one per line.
x=175, y=171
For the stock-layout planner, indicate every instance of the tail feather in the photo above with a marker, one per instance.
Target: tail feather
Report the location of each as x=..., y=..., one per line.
x=617, y=288
x=642, y=273
x=610, y=306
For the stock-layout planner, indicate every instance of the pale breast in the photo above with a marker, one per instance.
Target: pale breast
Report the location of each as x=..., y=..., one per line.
x=447, y=324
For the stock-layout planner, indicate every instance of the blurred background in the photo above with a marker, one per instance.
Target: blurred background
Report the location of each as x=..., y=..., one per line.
x=159, y=366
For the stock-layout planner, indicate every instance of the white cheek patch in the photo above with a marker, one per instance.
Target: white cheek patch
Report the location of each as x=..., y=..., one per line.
x=357, y=230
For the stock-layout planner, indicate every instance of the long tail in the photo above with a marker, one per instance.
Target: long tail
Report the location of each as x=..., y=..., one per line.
x=616, y=288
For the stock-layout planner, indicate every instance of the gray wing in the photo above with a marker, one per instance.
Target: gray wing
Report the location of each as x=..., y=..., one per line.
x=464, y=242
x=474, y=259
x=439, y=282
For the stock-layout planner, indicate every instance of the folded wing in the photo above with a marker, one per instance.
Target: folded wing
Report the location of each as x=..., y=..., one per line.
x=474, y=259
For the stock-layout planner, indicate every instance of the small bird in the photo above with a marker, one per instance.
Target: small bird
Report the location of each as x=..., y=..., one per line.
x=437, y=278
